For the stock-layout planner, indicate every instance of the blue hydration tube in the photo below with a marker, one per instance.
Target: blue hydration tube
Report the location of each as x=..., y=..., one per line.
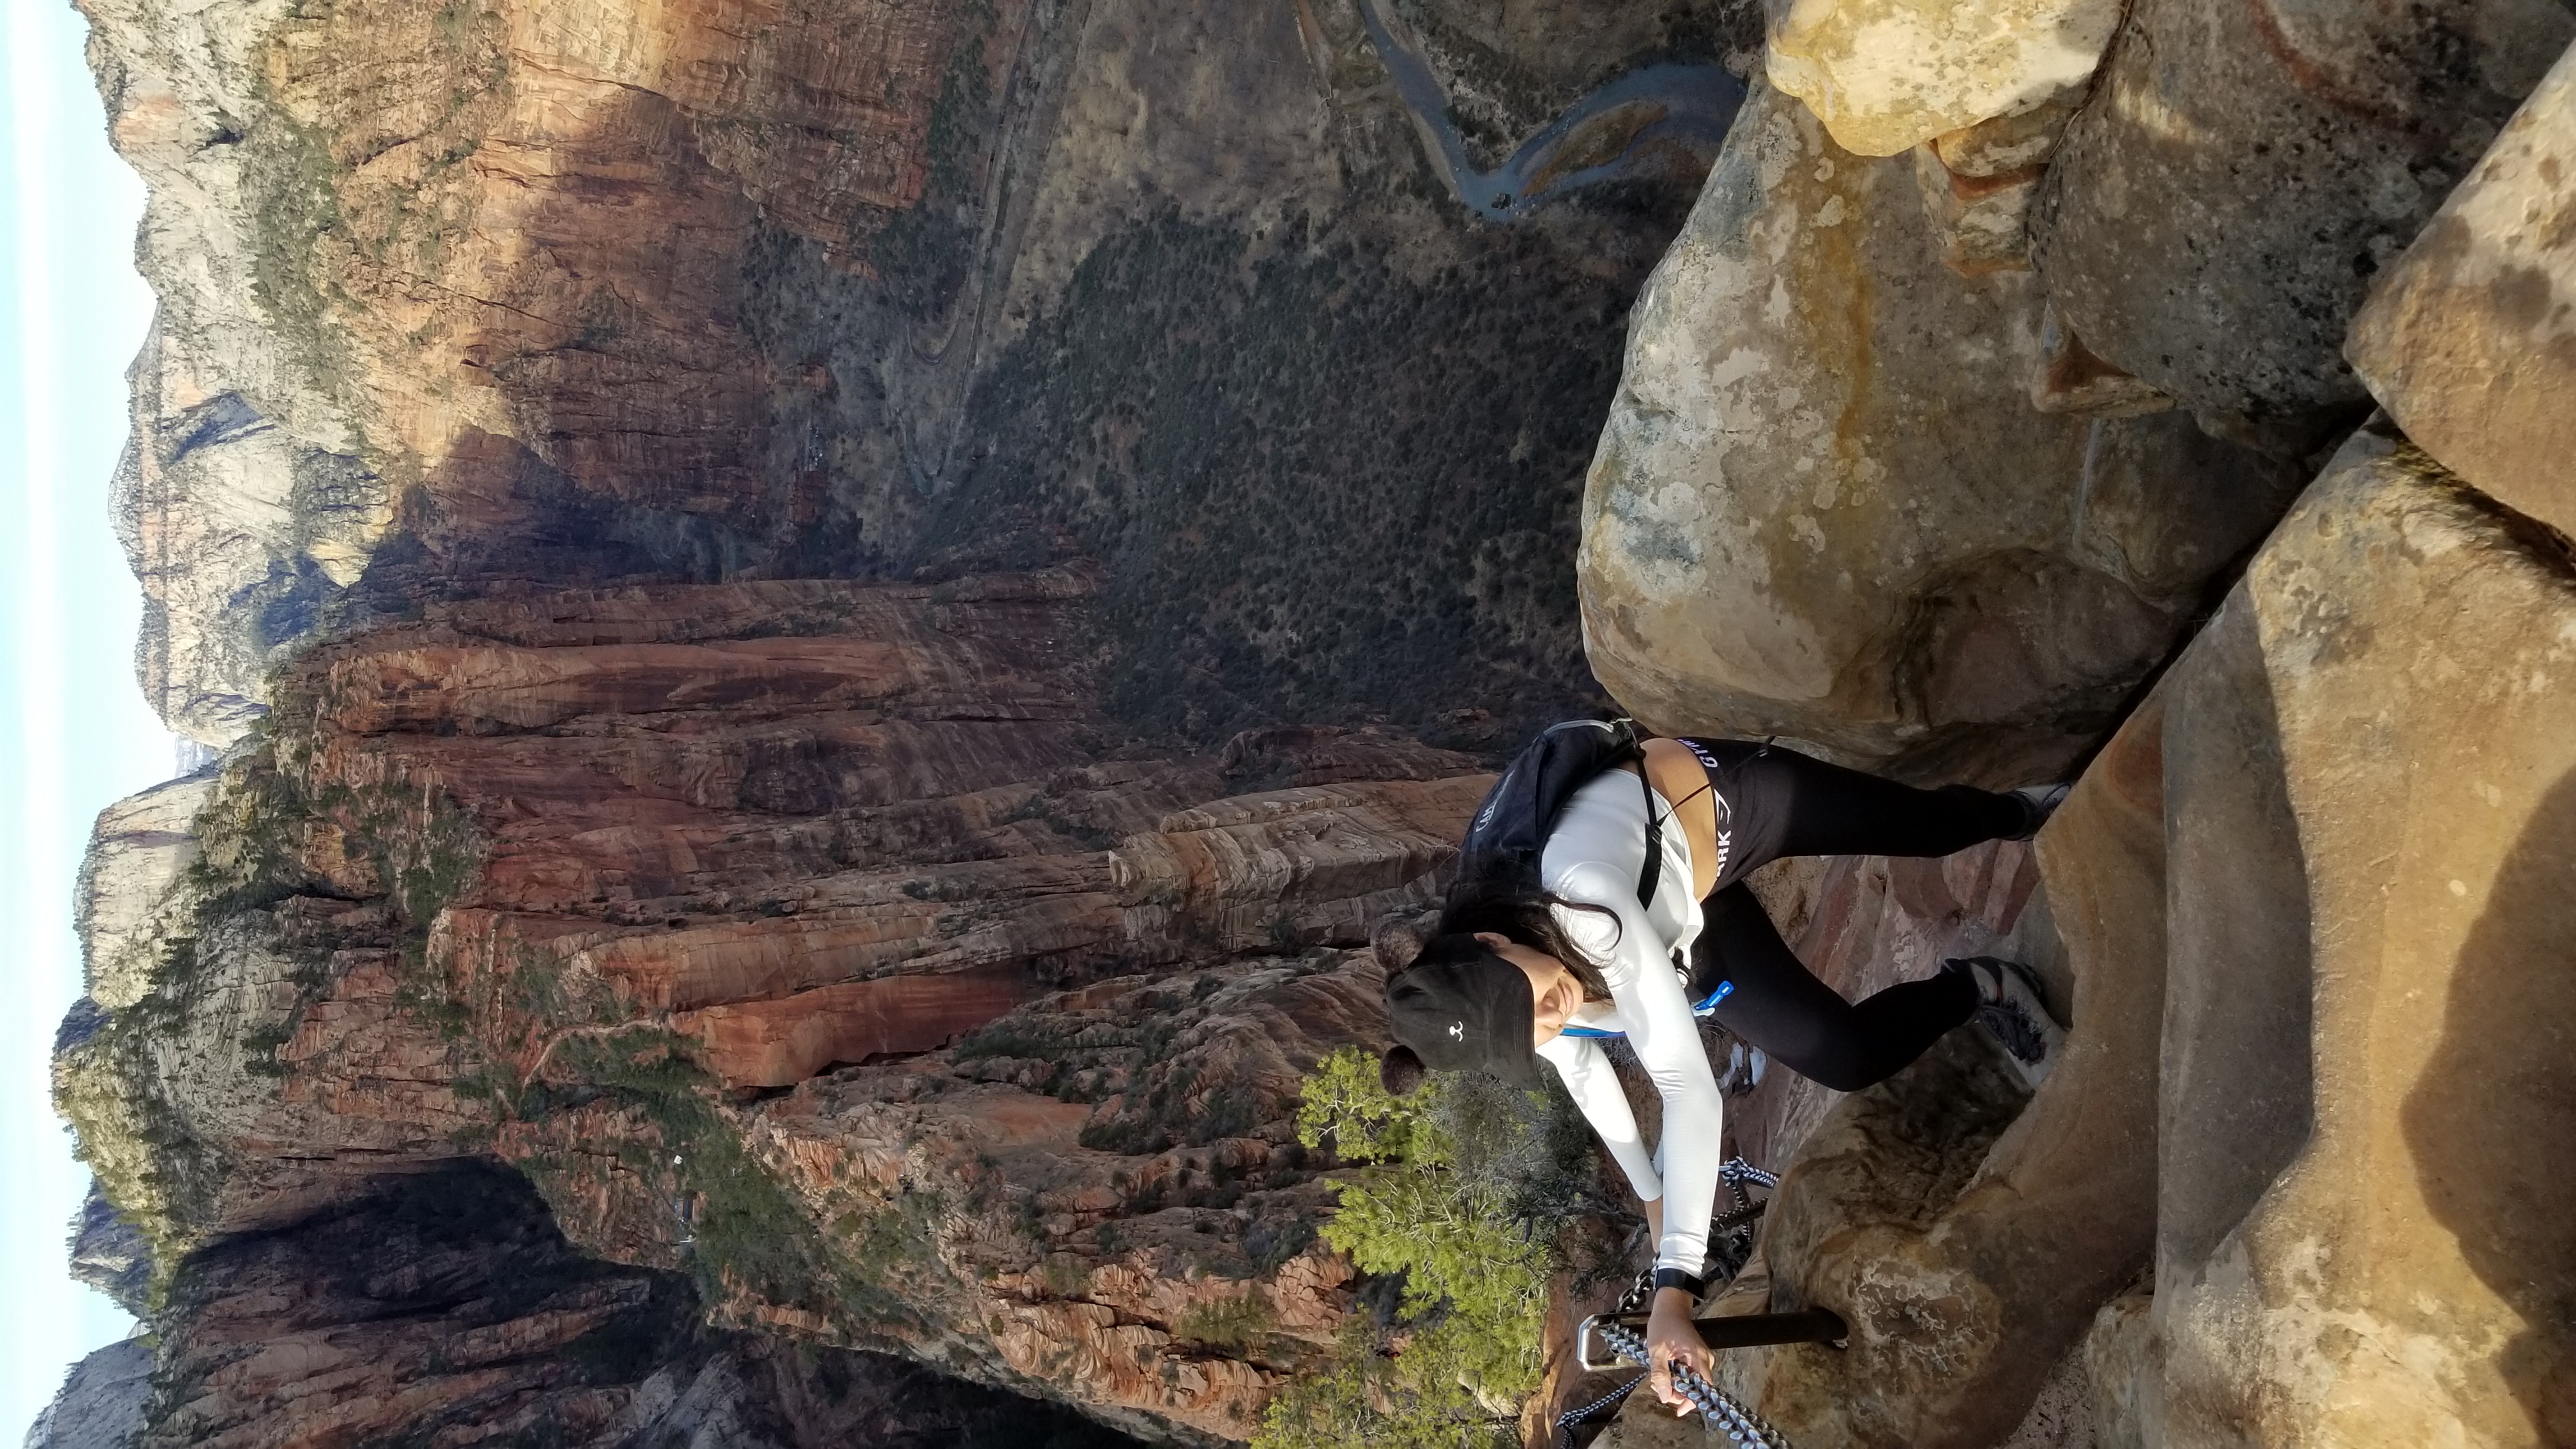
x=1701, y=1007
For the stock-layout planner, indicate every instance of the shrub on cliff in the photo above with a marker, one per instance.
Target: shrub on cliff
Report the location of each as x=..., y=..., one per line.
x=1466, y=1184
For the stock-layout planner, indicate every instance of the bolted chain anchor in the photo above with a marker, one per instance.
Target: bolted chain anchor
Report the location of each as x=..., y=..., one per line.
x=1720, y=1410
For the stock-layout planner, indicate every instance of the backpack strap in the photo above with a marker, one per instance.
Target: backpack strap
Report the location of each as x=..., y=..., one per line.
x=1653, y=873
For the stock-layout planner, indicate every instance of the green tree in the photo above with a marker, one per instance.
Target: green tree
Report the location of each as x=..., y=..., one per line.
x=1452, y=1201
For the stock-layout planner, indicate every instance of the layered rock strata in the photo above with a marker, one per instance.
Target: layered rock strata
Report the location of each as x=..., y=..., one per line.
x=583, y=880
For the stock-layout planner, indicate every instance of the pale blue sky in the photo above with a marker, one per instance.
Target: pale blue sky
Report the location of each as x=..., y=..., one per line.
x=74, y=731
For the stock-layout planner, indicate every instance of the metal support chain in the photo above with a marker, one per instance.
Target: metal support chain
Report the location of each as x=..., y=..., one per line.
x=1720, y=1410
x=1598, y=1408
x=1738, y=1172
x=1730, y=1239
x=1735, y=1230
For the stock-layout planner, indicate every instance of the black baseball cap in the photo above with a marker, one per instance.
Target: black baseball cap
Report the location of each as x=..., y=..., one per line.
x=1463, y=1008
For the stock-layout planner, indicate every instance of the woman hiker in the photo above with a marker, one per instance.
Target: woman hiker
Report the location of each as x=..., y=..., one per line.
x=1546, y=962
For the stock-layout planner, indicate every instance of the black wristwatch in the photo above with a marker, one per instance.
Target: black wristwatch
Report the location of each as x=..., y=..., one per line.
x=1690, y=1283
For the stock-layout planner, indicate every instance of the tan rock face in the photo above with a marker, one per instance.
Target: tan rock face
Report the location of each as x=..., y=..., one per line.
x=1823, y=508
x=2401, y=1254
x=1887, y=75
x=2469, y=339
x=2314, y=1071
x=439, y=220
x=778, y=1043
x=2216, y=211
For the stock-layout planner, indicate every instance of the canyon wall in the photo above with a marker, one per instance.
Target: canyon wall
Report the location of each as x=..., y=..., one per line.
x=696, y=528
x=832, y=625
x=475, y=293
x=586, y=882
x=445, y=1308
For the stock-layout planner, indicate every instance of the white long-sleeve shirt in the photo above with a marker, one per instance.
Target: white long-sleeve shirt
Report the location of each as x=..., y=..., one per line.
x=1594, y=855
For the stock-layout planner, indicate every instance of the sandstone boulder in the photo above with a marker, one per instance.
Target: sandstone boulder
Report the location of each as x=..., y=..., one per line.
x=2469, y=340
x=1968, y=1238
x=1885, y=75
x=2406, y=1272
x=1823, y=508
x=2217, y=209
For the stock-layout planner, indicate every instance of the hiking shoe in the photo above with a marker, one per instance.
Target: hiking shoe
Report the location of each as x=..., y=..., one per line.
x=2010, y=1009
x=1743, y=1069
x=2038, y=802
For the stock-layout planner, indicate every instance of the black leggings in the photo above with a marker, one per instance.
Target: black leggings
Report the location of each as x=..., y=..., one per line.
x=1785, y=803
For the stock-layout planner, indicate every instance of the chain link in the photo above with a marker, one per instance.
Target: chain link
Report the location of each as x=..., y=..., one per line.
x=1720, y=1410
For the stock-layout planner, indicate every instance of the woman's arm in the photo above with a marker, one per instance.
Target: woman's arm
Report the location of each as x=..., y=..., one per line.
x=1671, y=1337
x=1590, y=1080
x=1657, y=1019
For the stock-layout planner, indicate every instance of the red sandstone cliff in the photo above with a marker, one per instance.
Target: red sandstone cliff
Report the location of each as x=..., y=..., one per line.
x=584, y=880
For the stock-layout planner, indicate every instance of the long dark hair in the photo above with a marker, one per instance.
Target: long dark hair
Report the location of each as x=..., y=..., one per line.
x=1523, y=915
x=1507, y=905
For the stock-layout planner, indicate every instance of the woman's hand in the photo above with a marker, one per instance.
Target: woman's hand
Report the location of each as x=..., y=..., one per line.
x=1670, y=1336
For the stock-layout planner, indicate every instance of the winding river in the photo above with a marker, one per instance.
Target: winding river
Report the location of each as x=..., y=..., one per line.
x=1689, y=106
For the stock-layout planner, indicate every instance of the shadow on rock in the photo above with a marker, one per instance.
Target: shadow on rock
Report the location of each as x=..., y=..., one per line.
x=2493, y=1122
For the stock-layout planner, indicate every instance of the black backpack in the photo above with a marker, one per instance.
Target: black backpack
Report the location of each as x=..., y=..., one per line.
x=1505, y=839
